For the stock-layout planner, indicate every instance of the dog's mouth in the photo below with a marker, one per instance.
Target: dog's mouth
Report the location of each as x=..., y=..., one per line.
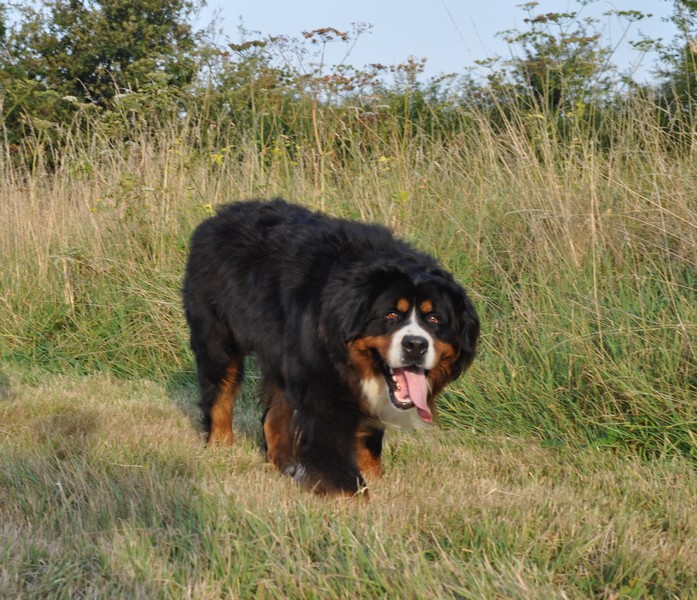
x=407, y=387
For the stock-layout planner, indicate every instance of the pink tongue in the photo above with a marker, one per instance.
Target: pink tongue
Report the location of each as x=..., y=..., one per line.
x=416, y=390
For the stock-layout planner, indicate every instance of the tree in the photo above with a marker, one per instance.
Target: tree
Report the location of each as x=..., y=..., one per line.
x=564, y=64
x=96, y=49
x=679, y=88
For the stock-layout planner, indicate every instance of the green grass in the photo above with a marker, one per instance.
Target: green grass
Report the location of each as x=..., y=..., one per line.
x=581, y=262
x=565, y=467
x=107, y=491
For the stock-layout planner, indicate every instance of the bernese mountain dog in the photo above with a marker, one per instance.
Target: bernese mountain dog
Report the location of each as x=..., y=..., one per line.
x=353, y=330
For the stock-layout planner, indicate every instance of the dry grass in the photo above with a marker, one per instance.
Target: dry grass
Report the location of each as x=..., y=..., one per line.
x=566, y=468
x=581, y=261
x=106, y=490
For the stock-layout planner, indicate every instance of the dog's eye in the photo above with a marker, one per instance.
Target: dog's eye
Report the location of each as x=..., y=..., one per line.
x=393, y=315
x=433, y=319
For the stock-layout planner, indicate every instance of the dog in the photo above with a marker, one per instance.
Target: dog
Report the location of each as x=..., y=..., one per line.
x=353, y=330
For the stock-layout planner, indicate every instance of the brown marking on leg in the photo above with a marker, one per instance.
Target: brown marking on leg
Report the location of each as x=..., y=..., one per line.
x=221, y=411
x=280, y=443
x=368, y=451
x=367, y=463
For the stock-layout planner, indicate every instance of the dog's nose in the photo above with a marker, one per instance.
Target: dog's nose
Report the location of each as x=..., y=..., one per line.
x=414, y=346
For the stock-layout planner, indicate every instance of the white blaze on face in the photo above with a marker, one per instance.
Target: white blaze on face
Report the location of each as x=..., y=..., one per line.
x=395, y=357
x=409, y=381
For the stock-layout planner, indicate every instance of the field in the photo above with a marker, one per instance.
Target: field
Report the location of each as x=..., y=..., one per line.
x=565, y=461
x=107, y=492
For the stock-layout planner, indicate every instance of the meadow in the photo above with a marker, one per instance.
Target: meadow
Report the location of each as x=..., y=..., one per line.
x=564, y=464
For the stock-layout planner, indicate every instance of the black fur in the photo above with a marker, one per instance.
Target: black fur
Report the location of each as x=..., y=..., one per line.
x=295, y=287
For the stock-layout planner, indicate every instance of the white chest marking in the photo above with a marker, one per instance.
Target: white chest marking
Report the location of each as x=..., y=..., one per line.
x=378, y=398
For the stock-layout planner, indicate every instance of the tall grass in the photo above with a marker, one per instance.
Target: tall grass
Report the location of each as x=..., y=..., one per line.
x=580, y=255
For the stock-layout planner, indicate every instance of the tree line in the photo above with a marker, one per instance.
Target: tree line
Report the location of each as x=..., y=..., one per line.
x=67, y=66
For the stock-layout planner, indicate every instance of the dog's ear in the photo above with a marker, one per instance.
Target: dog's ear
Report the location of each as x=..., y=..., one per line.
x=347, y=301
x=345, y=306
x=464, y=320
x=467, y=327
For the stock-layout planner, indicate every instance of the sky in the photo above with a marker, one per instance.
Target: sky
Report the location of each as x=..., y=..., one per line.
x=450, y=34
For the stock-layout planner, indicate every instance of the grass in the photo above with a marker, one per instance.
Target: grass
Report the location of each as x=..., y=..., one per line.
x=565, y=467
x=581, y=261
x=106, y=490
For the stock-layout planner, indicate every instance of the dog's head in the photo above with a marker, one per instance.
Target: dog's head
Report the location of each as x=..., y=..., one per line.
x=407, y=330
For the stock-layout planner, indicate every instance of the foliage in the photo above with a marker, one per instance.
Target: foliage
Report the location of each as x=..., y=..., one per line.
x=68, y=54
x=679, y=88
x=566, y=70
x=120, y=61
x=567, y=207
x=562, y=200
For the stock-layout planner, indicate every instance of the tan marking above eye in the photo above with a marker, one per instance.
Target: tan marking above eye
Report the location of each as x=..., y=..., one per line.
x=403, y=305
x=426, y=306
